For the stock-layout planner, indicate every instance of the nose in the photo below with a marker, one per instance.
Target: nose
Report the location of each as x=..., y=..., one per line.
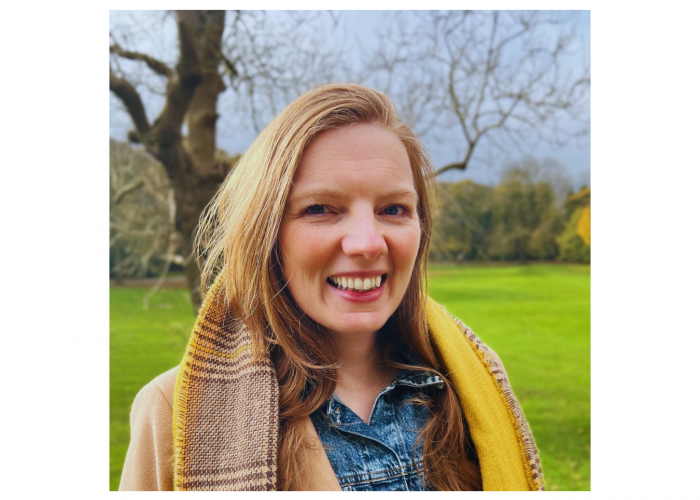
x=363, y=237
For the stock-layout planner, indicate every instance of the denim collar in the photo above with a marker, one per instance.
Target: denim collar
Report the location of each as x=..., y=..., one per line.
x=409, y=378
x=414, y=378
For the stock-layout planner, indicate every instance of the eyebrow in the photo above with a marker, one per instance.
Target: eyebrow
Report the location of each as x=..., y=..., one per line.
x=333, y=193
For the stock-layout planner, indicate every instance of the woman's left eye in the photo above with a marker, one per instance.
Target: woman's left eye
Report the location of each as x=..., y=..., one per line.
x=395, y=210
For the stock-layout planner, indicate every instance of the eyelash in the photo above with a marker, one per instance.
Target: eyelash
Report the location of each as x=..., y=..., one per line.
x=407, y=211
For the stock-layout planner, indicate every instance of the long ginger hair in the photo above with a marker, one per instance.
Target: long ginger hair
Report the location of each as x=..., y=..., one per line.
x=238, y=234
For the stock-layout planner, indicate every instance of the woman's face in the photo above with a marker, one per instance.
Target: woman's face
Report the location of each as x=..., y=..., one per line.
x=351, y=218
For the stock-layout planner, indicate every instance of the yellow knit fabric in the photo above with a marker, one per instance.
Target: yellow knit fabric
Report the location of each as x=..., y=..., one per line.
x=491, y=423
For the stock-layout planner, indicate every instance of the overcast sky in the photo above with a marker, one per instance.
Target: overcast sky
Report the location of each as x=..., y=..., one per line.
x=355, y=31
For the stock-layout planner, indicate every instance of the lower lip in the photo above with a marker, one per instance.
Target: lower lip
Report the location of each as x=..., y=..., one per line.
x=359, y=296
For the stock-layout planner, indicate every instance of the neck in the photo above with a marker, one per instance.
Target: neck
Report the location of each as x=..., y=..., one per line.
x=361, y=366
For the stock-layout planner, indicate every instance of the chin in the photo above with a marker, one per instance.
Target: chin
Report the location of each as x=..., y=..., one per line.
x=356, y=323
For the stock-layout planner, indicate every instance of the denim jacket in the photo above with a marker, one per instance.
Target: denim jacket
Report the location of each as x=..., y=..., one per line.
x=378, y=456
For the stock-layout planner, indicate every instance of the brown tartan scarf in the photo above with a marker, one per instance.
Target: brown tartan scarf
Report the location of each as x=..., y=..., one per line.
x=226, y=414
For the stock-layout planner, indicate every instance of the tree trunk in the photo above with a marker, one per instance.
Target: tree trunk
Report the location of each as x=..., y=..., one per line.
x=192, y=94
x=202, y=176
x=192, y=194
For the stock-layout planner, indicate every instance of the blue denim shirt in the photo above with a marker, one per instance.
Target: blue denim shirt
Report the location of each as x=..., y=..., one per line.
x=377, y=456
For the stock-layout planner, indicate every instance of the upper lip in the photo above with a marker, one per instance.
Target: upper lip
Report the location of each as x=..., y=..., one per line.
x=360, y=274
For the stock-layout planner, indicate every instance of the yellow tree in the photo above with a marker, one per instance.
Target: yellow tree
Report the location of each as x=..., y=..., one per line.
x=582, y=201
x=575, y=241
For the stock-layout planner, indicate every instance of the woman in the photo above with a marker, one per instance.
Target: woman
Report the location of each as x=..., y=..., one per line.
x=317, y=361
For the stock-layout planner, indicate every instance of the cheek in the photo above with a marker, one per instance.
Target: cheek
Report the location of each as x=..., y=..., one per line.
x=304, y=249
x=405, y=248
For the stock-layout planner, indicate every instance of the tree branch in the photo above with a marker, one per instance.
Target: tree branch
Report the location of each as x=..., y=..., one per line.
x=131, y=99
x=487, y=73
x=230, y=66
x=181, y=88
x=452, y=166
x=456, y=105
x=462, y=165
x=127, y=188
x=153, y=63
x=504, y=116
x=188, y=66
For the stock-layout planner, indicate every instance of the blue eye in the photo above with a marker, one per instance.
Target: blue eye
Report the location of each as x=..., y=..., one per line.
x=395, y=210
x=316, y=209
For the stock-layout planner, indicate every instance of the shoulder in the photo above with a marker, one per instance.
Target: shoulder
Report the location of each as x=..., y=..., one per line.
x=148, y=463
x=159, y=391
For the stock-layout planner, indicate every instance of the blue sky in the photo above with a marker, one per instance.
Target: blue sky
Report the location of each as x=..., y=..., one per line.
x=356, y=32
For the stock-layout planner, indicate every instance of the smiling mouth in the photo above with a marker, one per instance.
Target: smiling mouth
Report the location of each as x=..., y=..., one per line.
x=359, y=285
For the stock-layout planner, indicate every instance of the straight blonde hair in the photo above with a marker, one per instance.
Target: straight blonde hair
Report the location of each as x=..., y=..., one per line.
x=238, y=236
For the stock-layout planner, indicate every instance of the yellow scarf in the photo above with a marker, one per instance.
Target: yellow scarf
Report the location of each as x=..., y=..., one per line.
x=505, y=446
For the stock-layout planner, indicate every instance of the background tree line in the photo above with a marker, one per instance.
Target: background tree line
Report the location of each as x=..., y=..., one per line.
x=526, y=216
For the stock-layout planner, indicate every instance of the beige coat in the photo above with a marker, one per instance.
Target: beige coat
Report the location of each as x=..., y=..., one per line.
x=149, y=460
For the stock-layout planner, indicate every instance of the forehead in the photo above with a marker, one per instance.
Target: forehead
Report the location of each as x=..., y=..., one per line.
x=360, y=152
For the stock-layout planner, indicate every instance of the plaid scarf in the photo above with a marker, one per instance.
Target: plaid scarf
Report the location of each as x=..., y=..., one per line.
x=226, y=414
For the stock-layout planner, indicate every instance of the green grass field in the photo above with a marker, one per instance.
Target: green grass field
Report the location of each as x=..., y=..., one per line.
x=536, y=317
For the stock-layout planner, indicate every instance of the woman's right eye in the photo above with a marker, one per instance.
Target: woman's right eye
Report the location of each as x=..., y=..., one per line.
x=316, y=210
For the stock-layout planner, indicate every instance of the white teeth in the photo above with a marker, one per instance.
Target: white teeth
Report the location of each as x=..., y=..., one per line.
x=361, y=284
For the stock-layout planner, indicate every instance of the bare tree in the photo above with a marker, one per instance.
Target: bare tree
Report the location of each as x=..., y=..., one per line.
x=193, y=87
x=503, y=77
x=260, y=56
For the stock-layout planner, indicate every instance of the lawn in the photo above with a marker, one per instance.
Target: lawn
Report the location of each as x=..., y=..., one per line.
x=536, y=317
